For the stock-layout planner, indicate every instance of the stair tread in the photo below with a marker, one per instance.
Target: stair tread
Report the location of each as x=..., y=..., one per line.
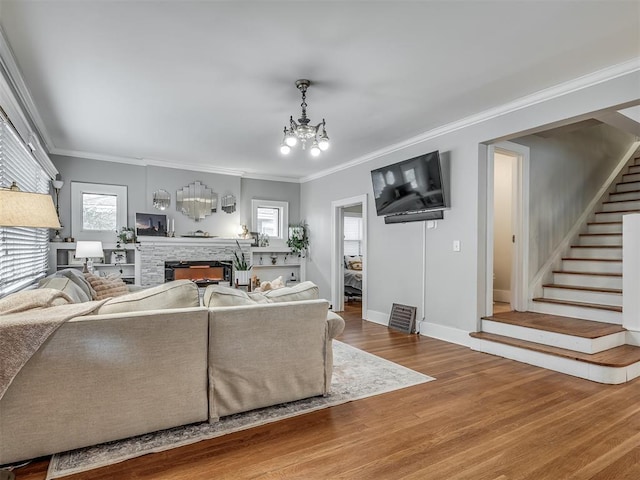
x=617, y=357
x=596, y=246
x=604, y=223
x=620, y=211
x=554, y=323
x=593, y=259
x=600, y=234
x=597, y=306
x=599, y=274
x=587, y=289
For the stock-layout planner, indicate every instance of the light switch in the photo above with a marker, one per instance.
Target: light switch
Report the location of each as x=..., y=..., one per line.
x=456, y=245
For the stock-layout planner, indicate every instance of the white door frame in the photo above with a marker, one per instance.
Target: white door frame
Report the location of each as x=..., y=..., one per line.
x=337, y=251
x=520, y=264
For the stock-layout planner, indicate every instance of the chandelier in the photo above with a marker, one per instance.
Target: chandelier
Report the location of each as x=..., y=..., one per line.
x=302, y=131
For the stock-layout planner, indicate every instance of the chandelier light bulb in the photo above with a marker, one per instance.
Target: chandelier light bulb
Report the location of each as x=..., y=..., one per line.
x=291, y=140
x=323, y=143
x=315, y=149
x=285, y=149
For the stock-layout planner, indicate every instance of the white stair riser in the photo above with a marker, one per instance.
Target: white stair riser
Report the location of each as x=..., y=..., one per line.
x=619, y=206
x=612, y=239
x=591, y=266
x=553, y=339
x=627, y=187
x=583, y=296
x=596, y=252
x=593, y=281
x=618, y=197
x=595, y=373
x=604, y=228
x=585, y=313
x=634, y=169
x=610, y=216
x=631, y=177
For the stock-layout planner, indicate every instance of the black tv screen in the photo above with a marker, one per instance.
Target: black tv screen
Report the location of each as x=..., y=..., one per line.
x=412, y=185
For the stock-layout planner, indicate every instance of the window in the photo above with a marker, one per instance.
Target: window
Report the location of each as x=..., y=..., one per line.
x=23, y=251
x=352, y=235
x=98, y=211
x=270, y=217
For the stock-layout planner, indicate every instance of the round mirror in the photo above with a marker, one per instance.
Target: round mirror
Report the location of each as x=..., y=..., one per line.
x=161, y=199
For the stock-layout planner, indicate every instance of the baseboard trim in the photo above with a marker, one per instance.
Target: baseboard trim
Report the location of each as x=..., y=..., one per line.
x=502, y=296
x=377, y=317
x=448, y=334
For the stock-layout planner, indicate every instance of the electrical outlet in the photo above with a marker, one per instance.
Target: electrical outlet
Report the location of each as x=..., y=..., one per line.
x=456, y=245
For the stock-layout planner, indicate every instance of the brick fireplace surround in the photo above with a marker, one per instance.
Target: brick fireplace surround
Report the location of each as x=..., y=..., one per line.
x=155, y=251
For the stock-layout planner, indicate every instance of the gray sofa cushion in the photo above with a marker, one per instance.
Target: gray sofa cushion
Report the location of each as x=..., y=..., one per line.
x=302, y=291
x=176, y=294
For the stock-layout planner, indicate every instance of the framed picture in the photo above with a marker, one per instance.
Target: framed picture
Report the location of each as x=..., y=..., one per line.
x=151, y=224
x=254, y=238
x=119, y=256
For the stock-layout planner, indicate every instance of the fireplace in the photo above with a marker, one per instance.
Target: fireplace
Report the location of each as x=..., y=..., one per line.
x=202, y=272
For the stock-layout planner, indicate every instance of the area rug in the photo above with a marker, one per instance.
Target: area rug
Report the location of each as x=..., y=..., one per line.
x=356, y=375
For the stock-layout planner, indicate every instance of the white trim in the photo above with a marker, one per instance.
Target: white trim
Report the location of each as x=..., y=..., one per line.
x=337, y=277
x=448, y=334
x=77, y=189
x=502, y=296
x=283, y=225
x=563, y=246
x=547, y=94
x=376, y=317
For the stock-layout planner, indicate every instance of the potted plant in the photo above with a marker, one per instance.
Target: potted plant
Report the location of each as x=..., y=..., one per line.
x=240, y=267
x=298, y=240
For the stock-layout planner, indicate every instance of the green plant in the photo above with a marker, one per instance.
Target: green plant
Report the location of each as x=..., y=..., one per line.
x=239, y=261
x=126, y=235
x=298, y=240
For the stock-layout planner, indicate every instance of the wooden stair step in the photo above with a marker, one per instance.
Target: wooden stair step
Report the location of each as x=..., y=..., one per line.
x=620, y=211
x=617, y=357
x=593, y=259
x=598, y=274
x=597, y=306
x=586, y=289
x=600, y=234
x=596, y=246
x=557, y=324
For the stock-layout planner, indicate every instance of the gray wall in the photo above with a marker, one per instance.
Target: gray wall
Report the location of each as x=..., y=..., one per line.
x=566, y=171
x=455, y=285
x=142, y=181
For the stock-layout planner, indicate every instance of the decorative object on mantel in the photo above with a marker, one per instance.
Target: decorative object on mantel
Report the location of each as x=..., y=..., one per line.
x=151, y=224
x=228, y=203
x=254, y=236
x=263, y=240
x=198, y=234
x=243, y=232
x=196, y=201
x=303, y=131
x=57, y=186
x=298, y=240
x=161, y=199
x=126, y=235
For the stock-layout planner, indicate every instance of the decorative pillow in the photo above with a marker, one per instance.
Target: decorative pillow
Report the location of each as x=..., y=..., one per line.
x=272, y=285
x=176, y=294
x=219, y=296
x=106, y=287
x=302, y=291
x=355, y=265
x=37, y=298
x=67, y=286
x=77, y=277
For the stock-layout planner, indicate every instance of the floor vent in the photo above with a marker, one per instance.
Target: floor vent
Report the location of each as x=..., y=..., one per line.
x=403, y=318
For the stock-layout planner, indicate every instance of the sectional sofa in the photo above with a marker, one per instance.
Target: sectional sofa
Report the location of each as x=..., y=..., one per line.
x=162, y=357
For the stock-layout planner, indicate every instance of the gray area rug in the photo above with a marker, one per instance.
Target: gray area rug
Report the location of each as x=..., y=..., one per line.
x=356, y=374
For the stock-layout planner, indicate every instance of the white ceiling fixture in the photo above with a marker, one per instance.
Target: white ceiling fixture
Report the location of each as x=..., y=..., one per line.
x=303, y=131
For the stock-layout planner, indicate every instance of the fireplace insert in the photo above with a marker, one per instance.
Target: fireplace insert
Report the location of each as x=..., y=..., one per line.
x=202, y=272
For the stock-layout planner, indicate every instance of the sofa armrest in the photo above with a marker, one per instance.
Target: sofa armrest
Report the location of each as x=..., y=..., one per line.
x=335, y=324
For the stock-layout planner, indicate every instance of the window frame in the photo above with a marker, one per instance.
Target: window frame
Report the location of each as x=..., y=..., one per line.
x=78, y=189
x=283, y=227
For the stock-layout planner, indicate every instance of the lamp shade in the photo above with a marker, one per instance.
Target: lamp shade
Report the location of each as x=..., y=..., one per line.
x=89, y=249
x=26, y=209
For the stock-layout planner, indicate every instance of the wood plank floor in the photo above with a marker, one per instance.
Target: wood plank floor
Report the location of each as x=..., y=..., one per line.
x=483, y=418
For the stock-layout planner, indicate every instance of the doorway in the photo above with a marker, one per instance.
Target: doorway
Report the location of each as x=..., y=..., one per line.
x=507, y=255
x=349, y=254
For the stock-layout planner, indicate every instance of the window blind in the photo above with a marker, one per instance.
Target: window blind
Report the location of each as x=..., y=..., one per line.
x=352, y=235
x=23, y=251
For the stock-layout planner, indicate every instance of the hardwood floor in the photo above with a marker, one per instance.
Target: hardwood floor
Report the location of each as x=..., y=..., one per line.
x=483, y=418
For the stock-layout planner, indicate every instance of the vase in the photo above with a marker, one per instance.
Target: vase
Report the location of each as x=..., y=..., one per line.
x=242, y=277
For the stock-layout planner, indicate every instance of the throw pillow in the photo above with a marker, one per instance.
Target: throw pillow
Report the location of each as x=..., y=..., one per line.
x=355, y=265
x=218, y=296
x=106, y=287
x=67, y=286
x=176, y=294
x=302, y=291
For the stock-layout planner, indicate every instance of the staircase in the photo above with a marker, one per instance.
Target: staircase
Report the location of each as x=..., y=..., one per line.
x=575, y=326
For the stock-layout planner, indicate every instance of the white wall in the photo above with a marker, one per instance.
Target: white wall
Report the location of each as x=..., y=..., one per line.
x=455, y=283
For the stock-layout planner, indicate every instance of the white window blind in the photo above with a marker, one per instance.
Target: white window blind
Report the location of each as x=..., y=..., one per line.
x=352, y=235
x=23, y=251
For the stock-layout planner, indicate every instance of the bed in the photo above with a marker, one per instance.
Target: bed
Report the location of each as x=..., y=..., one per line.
x=353, y=277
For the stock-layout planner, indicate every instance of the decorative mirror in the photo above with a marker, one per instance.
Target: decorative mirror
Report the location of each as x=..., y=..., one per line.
x=228, y=203
x=161, y=199
x=196, y=201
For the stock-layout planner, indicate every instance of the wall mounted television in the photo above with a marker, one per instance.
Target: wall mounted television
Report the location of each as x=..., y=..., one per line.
x=410, y=186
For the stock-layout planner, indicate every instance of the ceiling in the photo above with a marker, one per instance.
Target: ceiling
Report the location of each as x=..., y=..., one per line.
x=210, y=84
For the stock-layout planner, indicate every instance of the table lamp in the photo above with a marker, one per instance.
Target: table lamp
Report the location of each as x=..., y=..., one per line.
x=88, y=250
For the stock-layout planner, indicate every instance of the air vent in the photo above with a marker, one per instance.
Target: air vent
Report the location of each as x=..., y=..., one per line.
x=403, y=318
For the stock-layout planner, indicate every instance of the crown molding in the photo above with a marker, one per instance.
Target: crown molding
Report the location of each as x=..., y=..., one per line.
x=547, y=94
